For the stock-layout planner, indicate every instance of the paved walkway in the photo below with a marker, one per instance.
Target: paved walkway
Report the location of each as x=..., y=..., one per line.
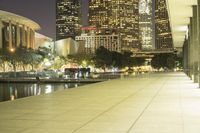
x=157, y=103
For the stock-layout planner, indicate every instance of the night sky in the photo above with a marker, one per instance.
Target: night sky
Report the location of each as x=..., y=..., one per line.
x=40, y=11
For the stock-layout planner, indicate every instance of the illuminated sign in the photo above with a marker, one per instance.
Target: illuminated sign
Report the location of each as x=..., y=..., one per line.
x=88, y=28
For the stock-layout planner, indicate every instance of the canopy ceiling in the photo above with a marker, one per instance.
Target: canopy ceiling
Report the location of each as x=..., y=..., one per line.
x=180, y=12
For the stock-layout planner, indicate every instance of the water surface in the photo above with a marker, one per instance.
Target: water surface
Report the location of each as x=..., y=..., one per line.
x=12, y=91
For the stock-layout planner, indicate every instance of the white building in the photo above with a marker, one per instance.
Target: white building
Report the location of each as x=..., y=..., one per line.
x=93, y=42
x=67, y=46
x=43, y=41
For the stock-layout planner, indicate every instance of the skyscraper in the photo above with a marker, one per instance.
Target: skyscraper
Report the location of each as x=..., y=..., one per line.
x=146, y=24
x=67, y=18
x=117, y=17
x=142, y=24
x=163, y=34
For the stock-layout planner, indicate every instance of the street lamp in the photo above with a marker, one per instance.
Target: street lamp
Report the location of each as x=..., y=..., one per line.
x=12, y=50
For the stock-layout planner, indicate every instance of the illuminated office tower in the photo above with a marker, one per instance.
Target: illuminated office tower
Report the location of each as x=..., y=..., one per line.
x=100, y=15
x=163, y=34
x=119, y=17
x=67, y=18
x=146, y=24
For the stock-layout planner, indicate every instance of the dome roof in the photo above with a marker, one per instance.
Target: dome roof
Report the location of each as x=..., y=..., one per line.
x=14, y=18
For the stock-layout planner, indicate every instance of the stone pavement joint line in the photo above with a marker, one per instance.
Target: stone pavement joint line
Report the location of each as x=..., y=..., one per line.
x=131, y=95
x=145, y=108
x=152, y=103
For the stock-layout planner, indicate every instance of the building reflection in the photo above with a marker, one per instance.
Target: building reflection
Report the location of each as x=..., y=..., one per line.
x=15, y=91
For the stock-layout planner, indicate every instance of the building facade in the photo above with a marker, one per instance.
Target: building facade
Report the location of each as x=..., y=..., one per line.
x=67, y=18
x=92, y=42
x=16, y=31
x=43, y=41
x=68, y=46
x=163, y=33
x=141, y=24
x=117, y=17
x=146, y=24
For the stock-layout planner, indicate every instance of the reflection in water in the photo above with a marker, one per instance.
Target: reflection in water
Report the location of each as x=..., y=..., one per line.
x=48, y=89
x=14, y=91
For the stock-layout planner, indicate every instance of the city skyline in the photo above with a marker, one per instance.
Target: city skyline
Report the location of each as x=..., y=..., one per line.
x=43, y=13
x=46, y=18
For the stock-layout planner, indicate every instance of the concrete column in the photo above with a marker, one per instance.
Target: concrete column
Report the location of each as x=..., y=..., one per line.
x=32, y=39
x=153, y=25
x=190, y=50
x=23, y=36
x=195, y=45
x=28, y=38
x=188, y=54
x=198, y=36
x=10, y=35
x=1, y=38
x=185, y=56
x=18, y=36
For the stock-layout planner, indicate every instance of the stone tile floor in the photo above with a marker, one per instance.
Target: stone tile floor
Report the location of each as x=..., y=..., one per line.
x=154, y=103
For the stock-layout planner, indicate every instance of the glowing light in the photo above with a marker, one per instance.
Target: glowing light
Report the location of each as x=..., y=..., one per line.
x=48, y=64
x=48, y=89
x=182, y=28
x=12, y=50
x=12, y=97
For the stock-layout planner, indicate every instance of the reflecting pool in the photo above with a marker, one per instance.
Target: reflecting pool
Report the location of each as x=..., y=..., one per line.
x=14, y=91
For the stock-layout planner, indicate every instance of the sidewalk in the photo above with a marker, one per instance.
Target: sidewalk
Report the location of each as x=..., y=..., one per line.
x=157, y=103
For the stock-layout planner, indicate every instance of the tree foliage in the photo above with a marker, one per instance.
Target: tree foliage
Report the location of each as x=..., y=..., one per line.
x=80, y=58
x=105, y=58
x=117, y=59
x=21, y=56
x=165, y=60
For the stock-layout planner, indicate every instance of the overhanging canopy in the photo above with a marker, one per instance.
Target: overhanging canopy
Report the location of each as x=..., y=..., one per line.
x=180, y=12
x=7, y=16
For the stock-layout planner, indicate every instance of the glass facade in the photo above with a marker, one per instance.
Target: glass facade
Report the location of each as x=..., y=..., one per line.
x=163, y=34
x=67, y=18
x=146, y=24
x=119, y=17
